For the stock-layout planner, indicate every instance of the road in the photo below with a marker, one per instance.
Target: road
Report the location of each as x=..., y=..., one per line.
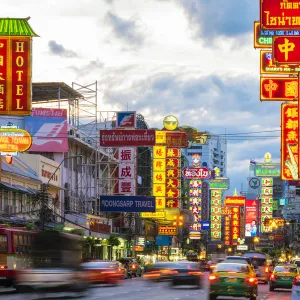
x=138, y=289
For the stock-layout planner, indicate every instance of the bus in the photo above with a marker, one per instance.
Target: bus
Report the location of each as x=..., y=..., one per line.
x=15, y=248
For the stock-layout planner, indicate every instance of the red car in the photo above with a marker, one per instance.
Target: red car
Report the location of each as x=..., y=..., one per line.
x=103, y=272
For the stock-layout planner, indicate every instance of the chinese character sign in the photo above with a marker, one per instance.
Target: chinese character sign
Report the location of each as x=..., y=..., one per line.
x=195, y=203
x=289, y=142
x=236, y=224
x=279, y=14
x=173, y=168
x=286, y=49
x=227, y=230
x=15, y=75
x=216, y=214
x=266, y=202
x=127, y=172
x=205, y=201
x=278, y=89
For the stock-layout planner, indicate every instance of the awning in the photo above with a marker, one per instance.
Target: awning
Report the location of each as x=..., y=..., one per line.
x=22, y=189
x=8, y=186
x=33, y=191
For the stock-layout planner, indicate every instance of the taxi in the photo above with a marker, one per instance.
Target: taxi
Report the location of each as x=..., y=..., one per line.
x=283, y=277
x=233, y=279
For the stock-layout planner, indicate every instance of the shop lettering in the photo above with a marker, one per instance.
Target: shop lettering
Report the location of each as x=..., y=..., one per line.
x=48, y=174
x=19, y=61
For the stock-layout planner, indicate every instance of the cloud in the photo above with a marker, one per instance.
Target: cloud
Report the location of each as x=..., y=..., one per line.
x=129, y=31
x=60, y=50
x=210, y=19
x=88, y=69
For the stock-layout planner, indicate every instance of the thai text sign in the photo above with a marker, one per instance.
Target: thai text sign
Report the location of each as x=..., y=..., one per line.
x=127, y=204
x=234, y=201
x=270, y=170
x=176, y=139
x=268, y=66
x=263, y=38
x=13, y=140
x=153, y=215
x=289, y=142
x=286, y=49
x=219, y=184
x=15, y=75
x=196, y=173
x=167, y=230
x=278, y=89
x=130, y=137
x=279, y=14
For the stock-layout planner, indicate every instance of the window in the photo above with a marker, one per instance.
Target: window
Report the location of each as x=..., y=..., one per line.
x=3, y=243
x=14, y=199
x=196, y=147
x=6, y=197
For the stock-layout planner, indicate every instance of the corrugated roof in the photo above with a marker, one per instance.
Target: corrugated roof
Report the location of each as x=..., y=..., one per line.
x=16, y=27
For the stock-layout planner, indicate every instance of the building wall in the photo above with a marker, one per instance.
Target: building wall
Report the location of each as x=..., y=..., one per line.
x=214, y=153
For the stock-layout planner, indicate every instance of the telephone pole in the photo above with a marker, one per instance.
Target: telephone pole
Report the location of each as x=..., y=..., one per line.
x=43, y=201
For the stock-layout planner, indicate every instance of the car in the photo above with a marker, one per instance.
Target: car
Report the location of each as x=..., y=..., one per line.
x=212, y=266
x=239, y=259
x=102, y=272
x=283, y=277
x=234, y=280
x=160, y=271
x=133, y=265
x=296, y=289
x=187, y=273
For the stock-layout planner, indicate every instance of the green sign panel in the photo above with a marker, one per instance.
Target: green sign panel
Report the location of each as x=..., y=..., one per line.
x=219, y=184
x=275, y=205
x=267, y=170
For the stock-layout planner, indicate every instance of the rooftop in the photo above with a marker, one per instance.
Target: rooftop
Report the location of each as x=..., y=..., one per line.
x=16, y=27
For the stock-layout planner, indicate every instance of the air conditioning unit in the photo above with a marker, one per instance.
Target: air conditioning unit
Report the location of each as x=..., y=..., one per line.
x=72, y=132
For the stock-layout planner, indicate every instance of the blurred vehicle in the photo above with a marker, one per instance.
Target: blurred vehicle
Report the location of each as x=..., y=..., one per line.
x=187, y=273
x=103, y=272
x=296, y=289
x=15, y=249
x=233, y=279
x=132, y=265
x=238, y=259
x=259, y=261
x=56, y=259
x=212, y=266
x=283, y=277
x=122, y=270
x=160, y=271
x=296, y=262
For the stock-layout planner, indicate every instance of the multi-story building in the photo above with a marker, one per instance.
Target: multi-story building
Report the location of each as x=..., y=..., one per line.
x=213, y=154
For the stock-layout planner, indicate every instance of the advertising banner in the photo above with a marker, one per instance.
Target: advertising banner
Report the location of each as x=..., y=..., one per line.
x=195, y=204
x=127, y=204
x=268, y=65
x=126, y=119
x=267, y=169
x=278, y=89
x=219, y=184
x=129, y=137
x=49, y=130
x=279, y=14
x=167, y=230
x=263, y=38
x=235, y=201
x=216, y=214
x=196, y=173
x=251, y=213
x=289, y=142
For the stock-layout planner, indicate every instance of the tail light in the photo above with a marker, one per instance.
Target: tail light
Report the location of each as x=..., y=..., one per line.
x=119, y=269
x=273, y=276
x=266, y=269
x=213, y=277
x=133, y=266
x=296, y=281
x=3, y=267
x=194, y=273
x=251, y=280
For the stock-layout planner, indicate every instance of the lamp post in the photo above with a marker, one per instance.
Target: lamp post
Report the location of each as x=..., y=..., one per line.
x=44, y=196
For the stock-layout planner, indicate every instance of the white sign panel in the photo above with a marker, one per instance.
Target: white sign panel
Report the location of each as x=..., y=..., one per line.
x=127, y=154
x=242, y=247
x=126, y=171
x=126, y=186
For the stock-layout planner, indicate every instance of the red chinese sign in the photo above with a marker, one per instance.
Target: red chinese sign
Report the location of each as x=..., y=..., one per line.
x=234, y=201
x=15, y=76
x=176, y=139
x=121, y=138
x=289, y=142
x=172, y=162
x=268, y=66
x=172, y=203
x=286, y=49
x=279, y=14
x=278, y=89
x=167, y=230
x=173, y=152
x=236, y=220
x=227, y=231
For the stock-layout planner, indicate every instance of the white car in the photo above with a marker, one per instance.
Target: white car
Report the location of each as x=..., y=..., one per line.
x=296, y=289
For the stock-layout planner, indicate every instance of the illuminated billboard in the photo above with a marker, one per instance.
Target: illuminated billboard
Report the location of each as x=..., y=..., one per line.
x=195, y=203
x=279, y=14
x=216, y=214
x=286, y=49
x=266, y=203
x=278, y=89
x=289, y=142
x=251, y=226
x=268, y=66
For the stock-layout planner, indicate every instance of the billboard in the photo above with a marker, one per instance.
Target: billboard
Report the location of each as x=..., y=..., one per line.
x=286, y=49
x=49, y=130
x=216, y=214
x=195, y=204
x=128, y=137
x=235, y=201
x=279, y=14
x=268, y=65
x=289, y=142
x=127, y=204
x=267, y=169
x=196, y=173
x=251, y=228
x=126, y=119
x=278, y=89
x=266, y=202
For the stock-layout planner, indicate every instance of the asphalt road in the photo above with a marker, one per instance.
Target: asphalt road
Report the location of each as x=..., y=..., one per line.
x=138, y=289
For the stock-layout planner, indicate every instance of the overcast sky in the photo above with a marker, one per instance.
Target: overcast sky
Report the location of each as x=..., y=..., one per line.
x=191, y=58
